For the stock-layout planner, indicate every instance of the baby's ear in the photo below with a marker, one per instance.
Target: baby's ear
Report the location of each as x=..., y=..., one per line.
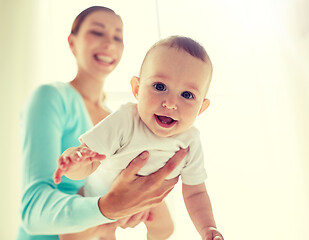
x=135, y=86
x=204, y=106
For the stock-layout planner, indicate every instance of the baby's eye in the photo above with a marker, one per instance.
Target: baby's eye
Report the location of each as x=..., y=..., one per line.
x=187, y=95
x=159, y=86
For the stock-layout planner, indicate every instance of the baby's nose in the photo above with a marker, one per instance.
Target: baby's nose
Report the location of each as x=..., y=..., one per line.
x=169, y=104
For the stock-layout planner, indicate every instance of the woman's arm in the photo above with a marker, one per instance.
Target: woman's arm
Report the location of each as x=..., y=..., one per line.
x=199, y=208
x=45, y=209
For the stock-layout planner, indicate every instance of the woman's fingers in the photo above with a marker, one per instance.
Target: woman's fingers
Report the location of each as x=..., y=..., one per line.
x=135, y=165
x=148, y=216
x=171, y=164
x=133, y=220
x=157, y=180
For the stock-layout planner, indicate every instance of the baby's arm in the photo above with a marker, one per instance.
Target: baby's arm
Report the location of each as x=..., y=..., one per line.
x=199, y=208
x=77, y=163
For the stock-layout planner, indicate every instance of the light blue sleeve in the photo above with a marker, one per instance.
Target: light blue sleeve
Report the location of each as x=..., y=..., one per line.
x=44, y=208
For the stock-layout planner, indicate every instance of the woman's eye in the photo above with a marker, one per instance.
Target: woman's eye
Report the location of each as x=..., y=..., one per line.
x=118, y=39
x=187, y=95
x=159, y=86
x=97, y=33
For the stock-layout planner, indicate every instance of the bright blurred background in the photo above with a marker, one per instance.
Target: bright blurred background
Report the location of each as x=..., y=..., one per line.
x=255, y=133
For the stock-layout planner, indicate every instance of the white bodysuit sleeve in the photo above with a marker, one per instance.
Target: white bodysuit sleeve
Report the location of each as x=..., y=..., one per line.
x=109, y=135
x=194, y=171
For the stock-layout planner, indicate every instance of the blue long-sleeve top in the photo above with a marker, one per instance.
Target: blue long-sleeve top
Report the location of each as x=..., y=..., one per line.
x=51, y=121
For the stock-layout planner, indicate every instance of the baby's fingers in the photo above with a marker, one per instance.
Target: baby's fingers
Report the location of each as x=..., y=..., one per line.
x=84, y=154
x=65, y=163
x=57, y=175
x=98, y=157
x=89, y=155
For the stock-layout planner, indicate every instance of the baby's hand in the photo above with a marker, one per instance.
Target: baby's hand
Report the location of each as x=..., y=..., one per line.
x=212, y=233
x=76, y=160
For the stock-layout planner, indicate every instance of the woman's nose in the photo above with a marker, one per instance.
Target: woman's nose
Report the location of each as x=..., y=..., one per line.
x=107, y=41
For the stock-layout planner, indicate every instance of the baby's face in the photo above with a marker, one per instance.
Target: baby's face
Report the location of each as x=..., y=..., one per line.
x=171, y=90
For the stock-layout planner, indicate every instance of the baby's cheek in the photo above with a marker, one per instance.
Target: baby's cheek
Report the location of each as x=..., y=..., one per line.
x=189, y=118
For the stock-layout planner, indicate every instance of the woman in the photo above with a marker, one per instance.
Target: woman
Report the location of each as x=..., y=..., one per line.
x=53, y=119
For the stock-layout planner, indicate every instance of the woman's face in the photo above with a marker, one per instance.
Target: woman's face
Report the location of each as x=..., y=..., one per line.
x=98, y=45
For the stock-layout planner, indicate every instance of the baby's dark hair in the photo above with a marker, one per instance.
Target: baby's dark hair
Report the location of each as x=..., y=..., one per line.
x=81, y=17
x=183, y=43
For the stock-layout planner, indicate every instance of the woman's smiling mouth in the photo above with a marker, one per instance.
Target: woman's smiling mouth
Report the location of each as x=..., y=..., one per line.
x=104, y=59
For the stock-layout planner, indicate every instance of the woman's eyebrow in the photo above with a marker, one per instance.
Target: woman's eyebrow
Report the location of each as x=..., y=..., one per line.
x=103, y=26
x=99, y=24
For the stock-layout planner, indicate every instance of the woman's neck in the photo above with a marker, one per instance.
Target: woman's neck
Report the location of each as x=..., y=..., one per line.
x=90, y=89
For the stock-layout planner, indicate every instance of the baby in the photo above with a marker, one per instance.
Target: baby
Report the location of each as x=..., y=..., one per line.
x=171, y=92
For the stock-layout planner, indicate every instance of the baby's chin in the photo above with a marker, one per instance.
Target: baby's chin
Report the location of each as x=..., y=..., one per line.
x=163, y=133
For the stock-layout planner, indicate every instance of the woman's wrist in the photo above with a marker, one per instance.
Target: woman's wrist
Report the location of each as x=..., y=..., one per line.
x=105, y=209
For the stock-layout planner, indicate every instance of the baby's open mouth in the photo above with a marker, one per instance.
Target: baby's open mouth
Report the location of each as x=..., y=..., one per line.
x=164, y=121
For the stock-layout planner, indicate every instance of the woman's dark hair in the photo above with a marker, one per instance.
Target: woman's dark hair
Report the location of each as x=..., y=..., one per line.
x=81, y=17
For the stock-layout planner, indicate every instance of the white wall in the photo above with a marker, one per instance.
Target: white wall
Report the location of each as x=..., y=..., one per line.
x=255, y=132
x=17, y=76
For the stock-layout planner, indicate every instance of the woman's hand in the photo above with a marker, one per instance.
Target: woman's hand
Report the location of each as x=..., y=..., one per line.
x=131, y=193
